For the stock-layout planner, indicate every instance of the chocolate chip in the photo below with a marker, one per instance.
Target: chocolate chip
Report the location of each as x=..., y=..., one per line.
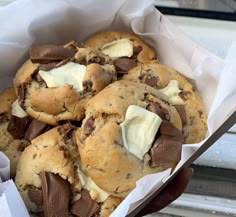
x=150, y=80
x=85, y=206
x=35, y=129
x=185, y=95
x=181, y=110
x=56, y=195
x=87, y=85
x=96, y=59
x=66, y=131
x=17, y=126
x=123, y=65
x=89, y=126
x=49, y=53
x=35, y=195
x=39, y=79
x=158, y=109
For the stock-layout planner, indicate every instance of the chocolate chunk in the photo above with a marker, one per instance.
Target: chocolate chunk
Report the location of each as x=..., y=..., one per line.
x=87, y=85
x=35, y=129
x=56, y=195
x=4, y=118
x=168, y=129
x=49, y=53
x=185, y=95
x=136, y=51
x=150, y=80
x=17, y=126
x=165, y=150
x=48, y=67
x=89, y=126
x=167, y=147
x=181, y=110
x=36, y=196
x=85, y=206
x=21, y=95
x=159, y=110
x=96, y=59
x=123, y=65
x=66, y=132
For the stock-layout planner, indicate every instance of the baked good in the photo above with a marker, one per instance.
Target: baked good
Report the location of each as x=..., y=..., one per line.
x=56, y=82
x=183, y=97
x=16, y=128
x=119, y=141
x=50, y=180
x=126, y=49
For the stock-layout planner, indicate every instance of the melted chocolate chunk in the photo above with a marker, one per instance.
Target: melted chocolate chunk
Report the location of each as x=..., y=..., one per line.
x=89, y=126
x=181, y=110
x=159, y=110
x=169, y=130
x=17, y=126
x=36, y=196
x=150, y=80
x=48, y=67
x=123, y=65
x=56, y=195
x=49, y=53
x=167, y=147
x=85, y=206
x=165, y=150
x=35, y=129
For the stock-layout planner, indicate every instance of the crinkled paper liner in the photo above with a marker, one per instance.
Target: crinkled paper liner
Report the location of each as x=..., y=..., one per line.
x=59, y=21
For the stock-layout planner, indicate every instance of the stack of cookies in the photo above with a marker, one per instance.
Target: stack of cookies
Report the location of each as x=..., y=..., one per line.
x=84, y=122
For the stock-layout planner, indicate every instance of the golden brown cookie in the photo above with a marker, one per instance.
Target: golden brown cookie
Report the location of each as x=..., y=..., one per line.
x=56, y=82
x=112, y=166
x=16, y=129
x=186, y=100
x=126, y=49
x=49, y=182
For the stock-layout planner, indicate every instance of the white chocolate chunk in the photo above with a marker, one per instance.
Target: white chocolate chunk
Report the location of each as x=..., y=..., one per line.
x=118, y=48
x=172, y=91
x=17, y=111
x=70, y=73
x=95, y=192
x=139, y=130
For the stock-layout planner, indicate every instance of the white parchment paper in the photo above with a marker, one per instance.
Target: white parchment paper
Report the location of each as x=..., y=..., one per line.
x=11, y=204
x=25, y=22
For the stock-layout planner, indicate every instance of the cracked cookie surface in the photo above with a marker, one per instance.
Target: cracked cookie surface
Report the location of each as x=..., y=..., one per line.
x=191, y=109
x=100, y=142
x=126, y=49
x=56, y=82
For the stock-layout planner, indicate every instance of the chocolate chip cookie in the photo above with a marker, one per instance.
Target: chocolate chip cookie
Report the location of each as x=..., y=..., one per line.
x=126, y=49
x=50, y=180
x=187, y=102
x=130, y=130
x=56, y=82
x=16, y=128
